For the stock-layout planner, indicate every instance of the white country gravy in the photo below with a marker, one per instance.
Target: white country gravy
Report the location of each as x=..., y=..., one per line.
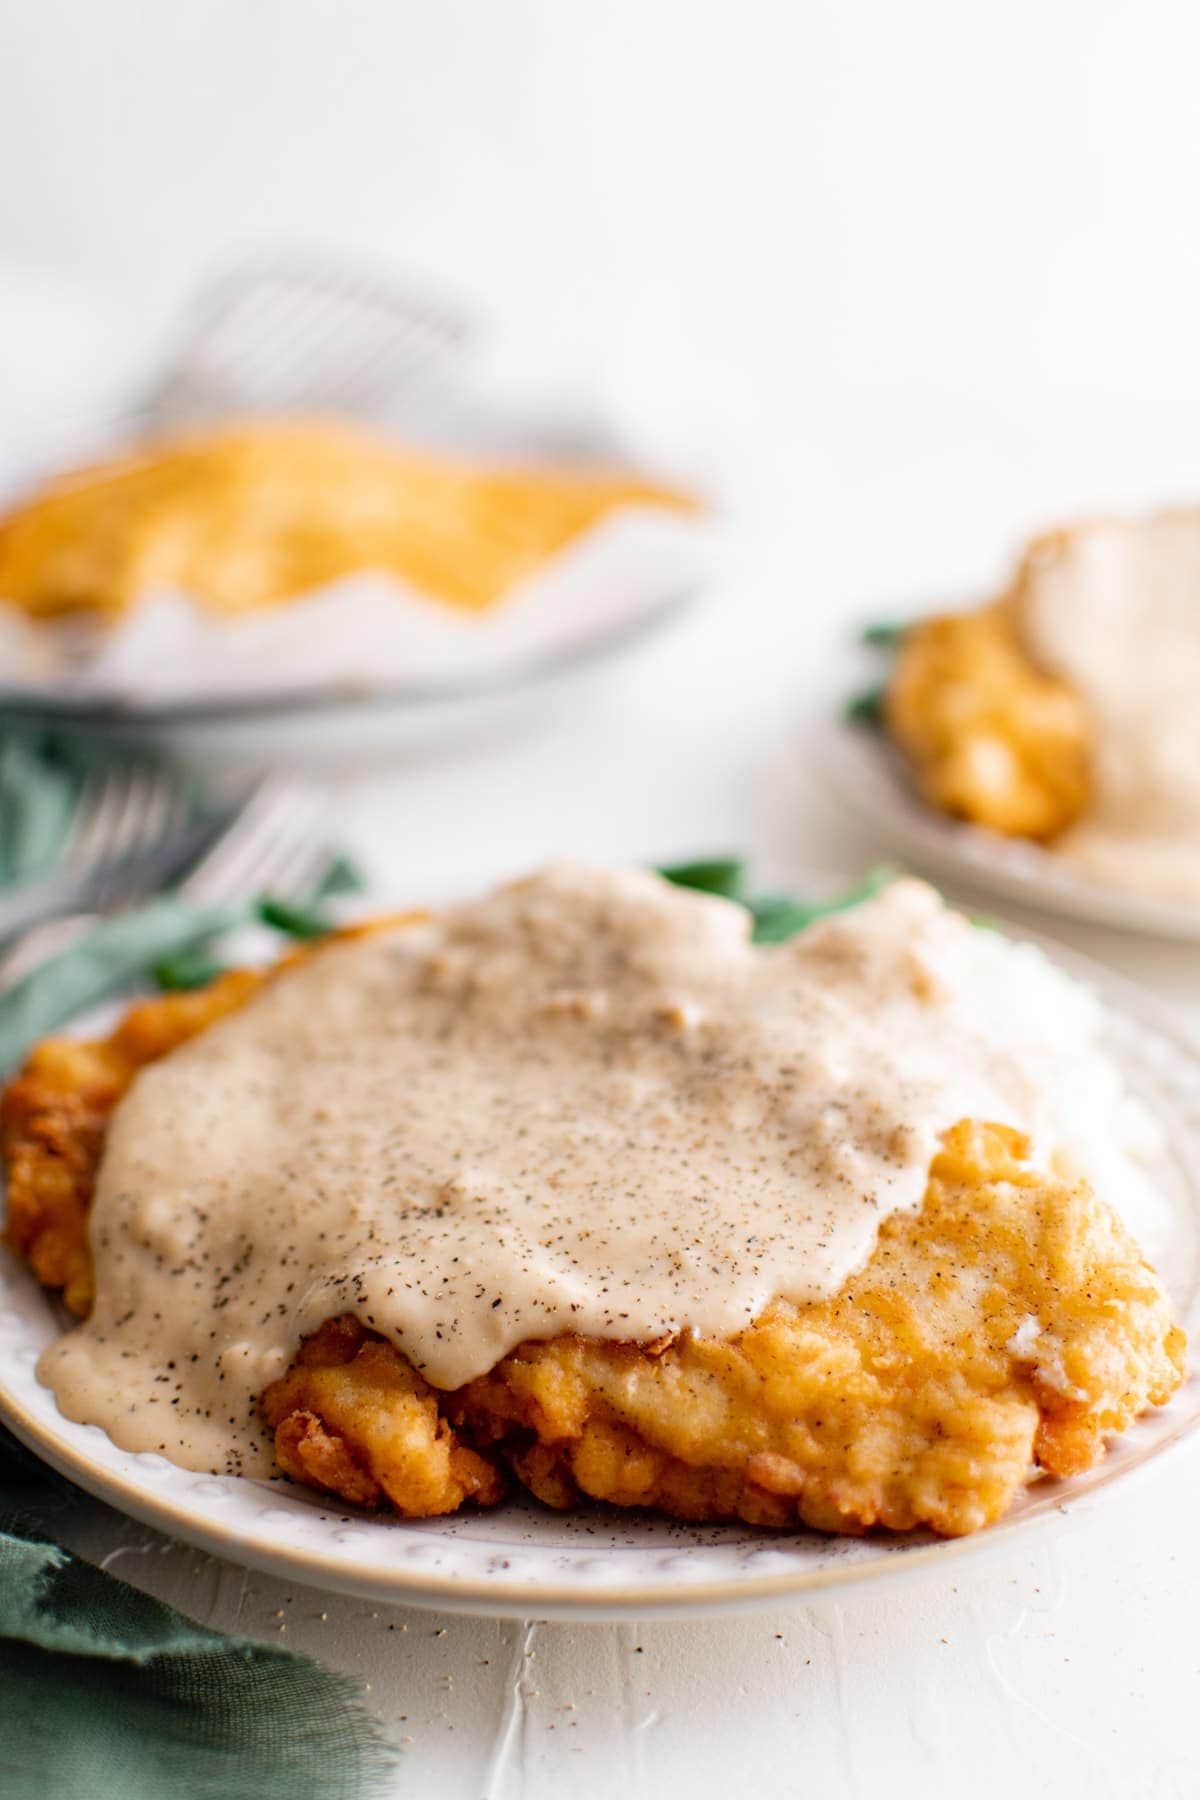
x=1114, y=609
x=586, y=1103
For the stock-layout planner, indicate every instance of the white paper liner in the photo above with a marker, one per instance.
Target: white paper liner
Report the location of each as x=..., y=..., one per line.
x=370, y=632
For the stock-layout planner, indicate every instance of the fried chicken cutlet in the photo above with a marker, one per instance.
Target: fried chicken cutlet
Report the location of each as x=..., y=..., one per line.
x=1010, y=1323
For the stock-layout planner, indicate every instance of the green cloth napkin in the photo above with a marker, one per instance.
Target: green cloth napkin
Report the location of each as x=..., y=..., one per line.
x=107, y=1694
x=112, y=957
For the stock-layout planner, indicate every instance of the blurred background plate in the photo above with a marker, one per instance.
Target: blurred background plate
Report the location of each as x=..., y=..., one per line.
x=322, y=674
x=870, y=779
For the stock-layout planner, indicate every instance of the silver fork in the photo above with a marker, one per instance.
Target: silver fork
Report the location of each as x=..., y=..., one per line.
x=287, y=330
x=131, y=831
x=274, y=843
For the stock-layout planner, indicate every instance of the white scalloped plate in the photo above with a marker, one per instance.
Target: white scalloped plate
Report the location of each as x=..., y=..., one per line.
x=870, y=777
x=521, y=1560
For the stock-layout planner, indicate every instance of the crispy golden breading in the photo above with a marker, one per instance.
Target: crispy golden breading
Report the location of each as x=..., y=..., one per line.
x=991, y=739
x=249, y=515
x=1011, y=1321
x=53, y=1117
x=353, y=1415
x=918, y=1396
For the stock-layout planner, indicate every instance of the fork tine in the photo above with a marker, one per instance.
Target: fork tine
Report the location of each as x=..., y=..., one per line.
x=101, y=804
x=282, y=859
x=296, y=876
x=122, y=809
x=130, y=823
x=161, y=798
x=280, y=813
x=139, y=822
x=287, y=330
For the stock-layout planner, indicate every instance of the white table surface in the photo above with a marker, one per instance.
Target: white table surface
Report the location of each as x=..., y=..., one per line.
x=1064, y=1662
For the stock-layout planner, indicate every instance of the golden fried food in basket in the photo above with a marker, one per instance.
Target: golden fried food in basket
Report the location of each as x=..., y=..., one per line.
x=253, y=514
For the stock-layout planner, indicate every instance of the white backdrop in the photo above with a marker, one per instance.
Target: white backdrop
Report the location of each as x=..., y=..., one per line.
x=837, y=203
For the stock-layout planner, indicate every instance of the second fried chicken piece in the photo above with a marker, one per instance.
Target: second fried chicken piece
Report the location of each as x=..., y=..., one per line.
x=991, y=738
